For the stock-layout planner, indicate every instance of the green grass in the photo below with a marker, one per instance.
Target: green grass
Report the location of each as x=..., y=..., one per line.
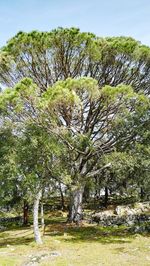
x=87, y=245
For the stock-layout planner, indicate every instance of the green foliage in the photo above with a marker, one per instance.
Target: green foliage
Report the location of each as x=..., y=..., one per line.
x=48, y=57
x=68, y=91
x=9, y=190
x=75, y=103
x=15, y=100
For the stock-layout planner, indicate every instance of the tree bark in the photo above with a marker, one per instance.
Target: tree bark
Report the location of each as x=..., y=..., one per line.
x=37, y=234
x=142, y=193
x=75, y=208
x=42, y=215
x=86, y=194
x=25, y=212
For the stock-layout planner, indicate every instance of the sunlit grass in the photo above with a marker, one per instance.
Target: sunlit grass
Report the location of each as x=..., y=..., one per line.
x=86, y=245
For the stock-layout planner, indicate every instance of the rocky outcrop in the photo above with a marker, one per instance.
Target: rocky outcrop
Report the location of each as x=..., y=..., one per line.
x=137, y=208
x=123, y=215
x=120, y=220
x=11, y=219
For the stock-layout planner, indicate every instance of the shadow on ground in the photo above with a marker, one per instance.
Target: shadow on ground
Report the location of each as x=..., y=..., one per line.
x=20, y=236
x=89, y=233
x=15, y=241
x=58, y=228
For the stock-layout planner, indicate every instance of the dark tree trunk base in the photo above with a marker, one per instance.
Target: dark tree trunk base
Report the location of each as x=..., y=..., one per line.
x=25, y=213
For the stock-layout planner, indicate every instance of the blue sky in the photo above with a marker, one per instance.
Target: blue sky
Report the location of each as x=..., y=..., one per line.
x=103, y=17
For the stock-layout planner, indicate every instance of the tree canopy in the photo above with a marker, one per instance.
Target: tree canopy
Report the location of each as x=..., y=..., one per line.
x=75, y=109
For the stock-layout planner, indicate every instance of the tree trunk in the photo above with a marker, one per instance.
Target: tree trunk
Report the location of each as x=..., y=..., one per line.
x=106, y=197
x=142, y=193
x=25, y=212
x=42, y=214
x=75, y=208
x=86, y=194
x=37, y=234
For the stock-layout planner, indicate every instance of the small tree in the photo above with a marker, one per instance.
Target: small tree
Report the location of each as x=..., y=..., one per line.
x=35, y=150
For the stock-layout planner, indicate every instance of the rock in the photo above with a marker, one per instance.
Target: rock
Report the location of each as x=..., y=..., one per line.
x=136, y=229
x=11, y=219
x=124, y=210
x=2, y=228
x=119, y=211
x=138, y=208
x=43, y=256
x=115, y=226
x=129, y=219
x=140, y=228
x=34, y=259
x=142, y=206
x=100, y=216
x=130, y=223
x=55, y=254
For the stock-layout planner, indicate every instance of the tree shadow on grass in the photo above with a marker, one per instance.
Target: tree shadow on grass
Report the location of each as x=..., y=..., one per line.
x=16, y=236
x=55, y=220
x=89, y=233
x=97, y=234
x=15, y=241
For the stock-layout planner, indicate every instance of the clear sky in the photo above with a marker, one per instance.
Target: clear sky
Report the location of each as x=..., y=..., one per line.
x=103, y=17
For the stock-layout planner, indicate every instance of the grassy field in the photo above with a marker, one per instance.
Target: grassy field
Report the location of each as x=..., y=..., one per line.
x=68, y=245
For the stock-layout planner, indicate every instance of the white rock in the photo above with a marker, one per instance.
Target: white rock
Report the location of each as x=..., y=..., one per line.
x=55, y=253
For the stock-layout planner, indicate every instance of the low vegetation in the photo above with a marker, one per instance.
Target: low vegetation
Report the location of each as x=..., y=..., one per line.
x=68, y=244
